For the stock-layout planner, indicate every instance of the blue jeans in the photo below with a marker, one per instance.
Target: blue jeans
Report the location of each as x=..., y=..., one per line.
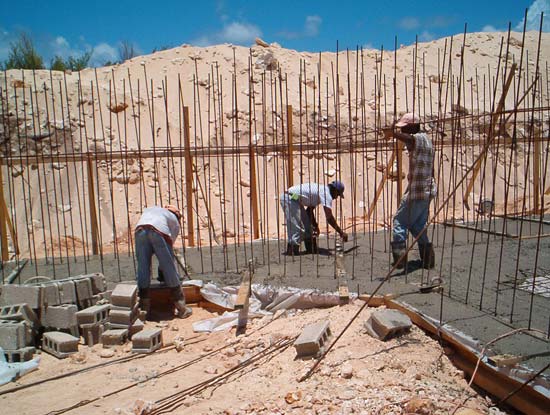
x=412, y=215
x=149, y=242
x=298, y=225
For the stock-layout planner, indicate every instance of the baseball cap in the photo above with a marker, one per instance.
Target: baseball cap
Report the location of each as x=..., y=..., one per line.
x=174, y=210
x=408, y=118
x=339, y=187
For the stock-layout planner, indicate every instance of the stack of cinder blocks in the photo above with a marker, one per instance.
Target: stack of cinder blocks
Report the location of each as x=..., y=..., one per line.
x=49, y=306
x=18, y=328
x=125, y=309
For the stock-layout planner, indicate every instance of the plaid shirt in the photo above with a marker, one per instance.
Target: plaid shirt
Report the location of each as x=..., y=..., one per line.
x=421, y=181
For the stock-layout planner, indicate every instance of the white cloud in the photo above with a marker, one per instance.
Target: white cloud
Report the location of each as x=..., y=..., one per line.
x=426, y=36
x=102, y=53
x=234, y=32
x=533, y=16
x=312, y=26
x=489, y=28
x=409, y=23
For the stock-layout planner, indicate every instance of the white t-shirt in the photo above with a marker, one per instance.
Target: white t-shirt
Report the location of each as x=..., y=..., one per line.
x=312, y=194
x=162, y=220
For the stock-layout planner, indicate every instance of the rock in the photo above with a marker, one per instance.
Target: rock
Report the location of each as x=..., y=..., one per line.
x=106, y=353
x=419, y=406
x=17, y=170
x=142, y=407
x=266, y=62
x=347, y=395
x=244, y=183
x=459, y=109
x=230, y=352
x=211, y=370
x=261, y=42
x=179, y=343
x=330, y=172
x=79, y=357
x=346, y=371
x=292, y=397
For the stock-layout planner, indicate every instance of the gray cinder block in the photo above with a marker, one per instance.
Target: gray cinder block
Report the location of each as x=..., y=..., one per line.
x=67, y=292
x=123, y=315
x=15, y=335
x=92, y=333
x=20, y=355
x=84, y=292
x=50, y=295
x=312, y=339
x=59, y=344
x=19, y=312
x=124, y=295
x=385, y=324
x=93, y=314
x=60, y=316
x=114, y=337
x=19, y=294
x=147, y=341
x=99, y=284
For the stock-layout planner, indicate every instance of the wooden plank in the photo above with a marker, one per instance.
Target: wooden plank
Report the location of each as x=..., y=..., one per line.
x=536, y=176
x=490, y=138
x=343, y=292
x=3, y=222
x=254, y=193
x=9, y=223
x=399, y=170
x=213, y=308
x=290, y=149
x=93, y=211
x=188, y=178
x=380, y=187
x=244, y=290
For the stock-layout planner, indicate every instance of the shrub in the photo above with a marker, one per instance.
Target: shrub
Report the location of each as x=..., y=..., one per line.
x=23, y=55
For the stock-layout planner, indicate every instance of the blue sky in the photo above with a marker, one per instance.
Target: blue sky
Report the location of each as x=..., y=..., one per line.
x=70, y=27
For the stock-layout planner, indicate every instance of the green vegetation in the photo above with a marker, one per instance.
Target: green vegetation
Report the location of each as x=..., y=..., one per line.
x=23, y=55
x=126, y=51
x=71, y=63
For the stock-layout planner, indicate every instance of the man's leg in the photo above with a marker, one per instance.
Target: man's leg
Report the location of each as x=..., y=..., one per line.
x=144, y=253
x=399, y=234
x=427, y=254
x=167, y=264
x=294, y=225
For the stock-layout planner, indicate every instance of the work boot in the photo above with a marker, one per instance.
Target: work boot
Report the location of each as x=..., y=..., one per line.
x=311, y=246
x=427, y=255
x=145, y=301
x=292, y=250
x=182, y=311
x=398, y=249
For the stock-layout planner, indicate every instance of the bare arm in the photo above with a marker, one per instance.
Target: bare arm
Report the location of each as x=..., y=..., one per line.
x=405, y=138
x=332, y=222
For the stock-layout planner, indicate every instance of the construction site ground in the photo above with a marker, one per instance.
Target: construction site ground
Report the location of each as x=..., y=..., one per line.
x=360, y=375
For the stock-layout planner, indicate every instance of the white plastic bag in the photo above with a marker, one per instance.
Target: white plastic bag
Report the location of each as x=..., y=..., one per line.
x=12, y=371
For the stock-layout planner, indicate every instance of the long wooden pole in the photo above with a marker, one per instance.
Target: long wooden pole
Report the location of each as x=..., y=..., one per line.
x=380, y=186
x=3, y=221
x=490, y=138
x=188, y=178
x=93, y=211
x=290, y=150
x=536, y=175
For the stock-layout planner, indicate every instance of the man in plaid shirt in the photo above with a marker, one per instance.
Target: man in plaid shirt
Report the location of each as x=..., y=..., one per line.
x=412, y=213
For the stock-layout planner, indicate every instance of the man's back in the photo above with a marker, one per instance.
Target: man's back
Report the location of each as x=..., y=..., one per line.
x=312, y=194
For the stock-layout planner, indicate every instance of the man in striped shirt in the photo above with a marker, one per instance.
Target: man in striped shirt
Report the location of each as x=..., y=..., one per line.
x=299, y=203
x=412, y=214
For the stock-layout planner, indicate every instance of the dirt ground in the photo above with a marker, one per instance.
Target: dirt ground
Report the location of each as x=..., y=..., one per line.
x=410, y=374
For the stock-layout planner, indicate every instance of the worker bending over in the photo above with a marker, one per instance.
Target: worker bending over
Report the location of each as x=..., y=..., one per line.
x=299, y=203
x=156, y=232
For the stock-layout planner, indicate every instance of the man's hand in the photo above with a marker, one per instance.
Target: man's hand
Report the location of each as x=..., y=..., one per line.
x=344, y=236
x=388, y=133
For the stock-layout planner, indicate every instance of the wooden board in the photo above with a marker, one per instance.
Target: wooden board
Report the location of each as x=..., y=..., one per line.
x=244, y=291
